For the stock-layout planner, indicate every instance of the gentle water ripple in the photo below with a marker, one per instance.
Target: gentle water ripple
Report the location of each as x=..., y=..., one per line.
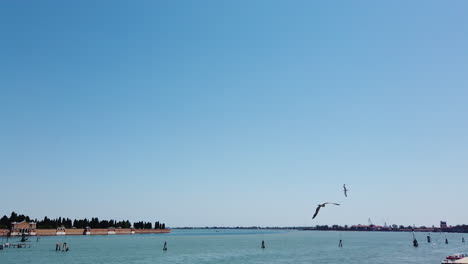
x=240, y=246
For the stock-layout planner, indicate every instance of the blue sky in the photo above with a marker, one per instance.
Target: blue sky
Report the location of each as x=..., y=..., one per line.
x=201, y=113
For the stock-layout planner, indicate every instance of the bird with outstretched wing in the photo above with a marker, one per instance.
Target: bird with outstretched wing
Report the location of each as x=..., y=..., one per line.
x=320, y=206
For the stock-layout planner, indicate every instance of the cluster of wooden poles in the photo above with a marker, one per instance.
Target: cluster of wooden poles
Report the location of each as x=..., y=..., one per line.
x=428, y=237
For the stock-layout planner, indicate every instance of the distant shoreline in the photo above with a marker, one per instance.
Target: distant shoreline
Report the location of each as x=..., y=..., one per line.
x=358, y=228
x=84, y=232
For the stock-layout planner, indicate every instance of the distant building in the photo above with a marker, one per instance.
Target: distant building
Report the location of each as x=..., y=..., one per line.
x=111, y=231
x=370, y=228
x=23, y=228
x=61, y=231
x=87, y=231
x=443, y=224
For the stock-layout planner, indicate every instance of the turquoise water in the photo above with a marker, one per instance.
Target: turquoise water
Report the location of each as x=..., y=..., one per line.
x=240, y=246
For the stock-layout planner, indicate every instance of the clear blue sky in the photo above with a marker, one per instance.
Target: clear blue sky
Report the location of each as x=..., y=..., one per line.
x=201, y=113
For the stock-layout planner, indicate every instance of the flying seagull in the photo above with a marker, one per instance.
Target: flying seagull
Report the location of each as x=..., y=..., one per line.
x=345, y=190
x=322, y=205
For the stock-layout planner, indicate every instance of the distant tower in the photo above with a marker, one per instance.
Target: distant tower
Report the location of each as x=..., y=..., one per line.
x=443, y=224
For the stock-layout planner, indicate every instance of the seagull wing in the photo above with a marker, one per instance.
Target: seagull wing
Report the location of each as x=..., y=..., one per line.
x=316, y=212
x=332, y=203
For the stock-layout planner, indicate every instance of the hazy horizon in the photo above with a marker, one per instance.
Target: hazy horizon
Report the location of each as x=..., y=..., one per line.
x=235, y=113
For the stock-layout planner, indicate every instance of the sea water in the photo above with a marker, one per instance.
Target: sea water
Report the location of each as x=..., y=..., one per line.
x=240, y=246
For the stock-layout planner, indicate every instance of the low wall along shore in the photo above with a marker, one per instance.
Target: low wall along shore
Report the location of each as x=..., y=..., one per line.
x=94, y=231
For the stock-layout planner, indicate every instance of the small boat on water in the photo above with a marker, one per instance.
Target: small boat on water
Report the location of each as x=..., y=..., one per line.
x=455, y=258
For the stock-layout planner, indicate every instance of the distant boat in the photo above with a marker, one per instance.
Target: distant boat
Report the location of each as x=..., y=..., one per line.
x=24, y=238
x=4, y=245
x=455, y=258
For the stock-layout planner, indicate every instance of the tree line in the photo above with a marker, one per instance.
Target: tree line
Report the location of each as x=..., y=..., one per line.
x=94, y=222
x=149, y=225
